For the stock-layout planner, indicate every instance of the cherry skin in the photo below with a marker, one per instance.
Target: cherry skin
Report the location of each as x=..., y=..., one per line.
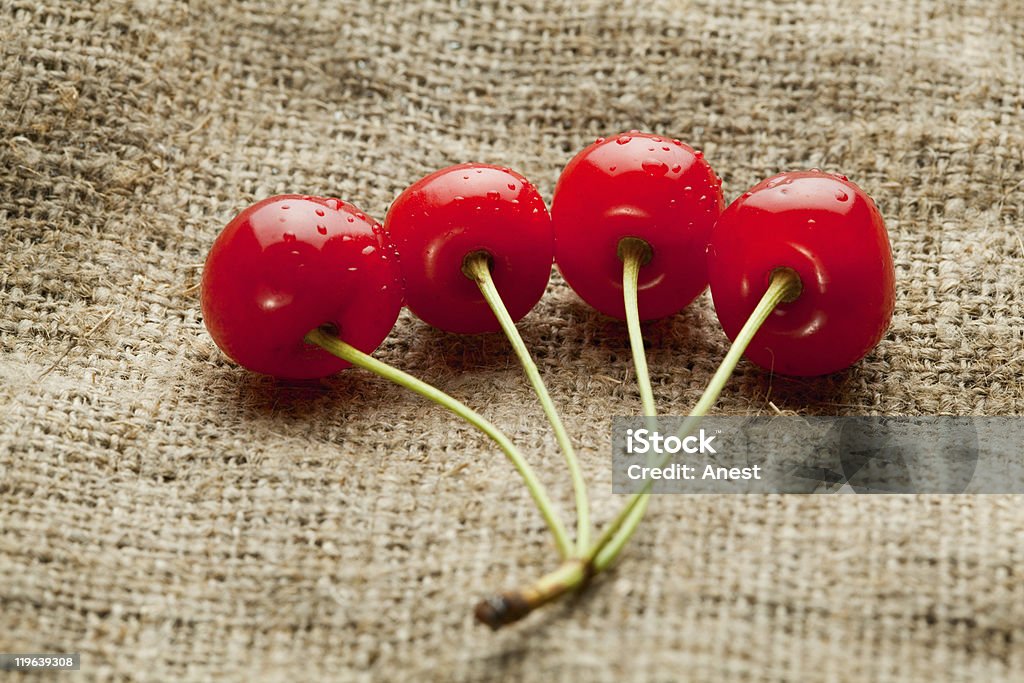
x=457, y=211
x=831, y=233
x=289, y=264
x=644, y=186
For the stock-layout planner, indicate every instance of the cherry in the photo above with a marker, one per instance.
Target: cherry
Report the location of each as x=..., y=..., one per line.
x=289, y=264
x=830, y=233
x=302, y=287
x=802, y=277
x=459, y=211
x=642, y=186
x=476, y=249
x=631, y=218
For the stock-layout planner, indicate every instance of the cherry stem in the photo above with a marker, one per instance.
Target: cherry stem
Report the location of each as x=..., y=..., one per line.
x=511, y=606
x=783, y=287
x=477, y=267
x=635, y=253
x=574, y=573
x=333, y=345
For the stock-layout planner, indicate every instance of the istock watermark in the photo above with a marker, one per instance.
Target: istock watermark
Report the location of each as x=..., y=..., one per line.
x=783, y=454
x=642, y=441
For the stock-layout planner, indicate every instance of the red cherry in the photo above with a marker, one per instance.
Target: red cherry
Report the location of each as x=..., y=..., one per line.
x=454, y=212
x=831, y=233
x=289, y=264
x=636, y=185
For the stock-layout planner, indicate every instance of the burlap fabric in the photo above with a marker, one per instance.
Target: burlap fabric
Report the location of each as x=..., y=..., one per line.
x=174, y=518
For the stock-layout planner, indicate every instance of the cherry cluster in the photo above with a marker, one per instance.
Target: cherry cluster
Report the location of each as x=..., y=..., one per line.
x=799, y=266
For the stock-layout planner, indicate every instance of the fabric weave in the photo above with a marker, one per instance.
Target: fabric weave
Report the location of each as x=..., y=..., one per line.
x=174, y=518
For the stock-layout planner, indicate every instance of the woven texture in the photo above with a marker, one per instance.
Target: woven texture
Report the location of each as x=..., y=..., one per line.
x=174, y=518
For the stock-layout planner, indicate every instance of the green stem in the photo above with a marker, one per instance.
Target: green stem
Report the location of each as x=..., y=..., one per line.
x=603, y=555
x=572, y=575
x=635, y=253
x=337, y=347
x=784, y=287
x=477, y=267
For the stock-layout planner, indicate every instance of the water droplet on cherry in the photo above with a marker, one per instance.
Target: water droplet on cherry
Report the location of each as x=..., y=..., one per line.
x=623, y=139
x=321, y=228
x=654, y=167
